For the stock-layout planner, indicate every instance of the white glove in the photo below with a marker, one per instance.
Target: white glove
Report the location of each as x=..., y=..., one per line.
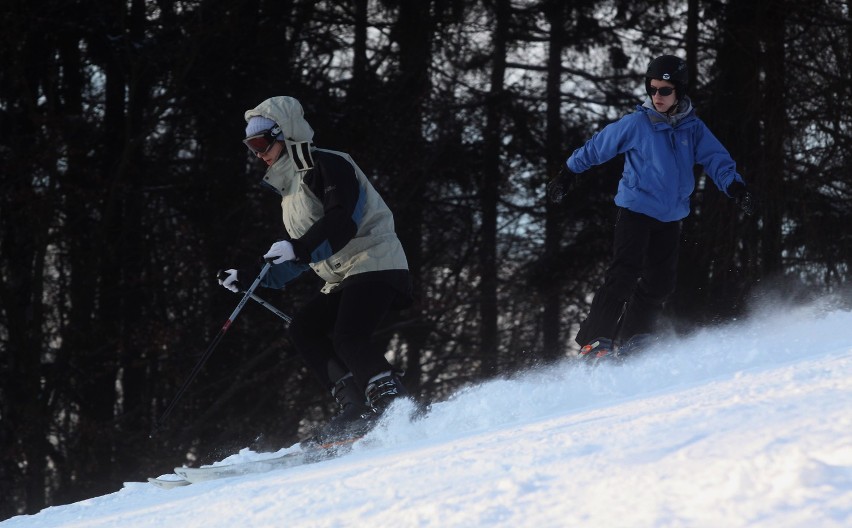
x=280, y=251
x=228, y=279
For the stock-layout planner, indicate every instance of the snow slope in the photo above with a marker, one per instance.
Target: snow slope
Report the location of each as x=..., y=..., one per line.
x=744, y=425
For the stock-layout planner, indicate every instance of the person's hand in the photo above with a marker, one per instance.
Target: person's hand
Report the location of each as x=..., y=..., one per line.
x=559, y=187
x=280, y=251
x=744, y=199
x=229, y=279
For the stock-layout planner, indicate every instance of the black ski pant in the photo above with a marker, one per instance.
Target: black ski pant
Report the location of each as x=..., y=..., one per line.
x=642, y=275
x=333, y=332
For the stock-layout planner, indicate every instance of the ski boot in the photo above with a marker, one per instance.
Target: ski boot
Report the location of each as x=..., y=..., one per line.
x=597, y=350
x=383, y=389
x=387, y=387
x=359, y=411
x=352, y=421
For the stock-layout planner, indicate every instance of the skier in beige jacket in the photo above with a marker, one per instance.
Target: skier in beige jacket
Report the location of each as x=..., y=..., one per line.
x=338, y=226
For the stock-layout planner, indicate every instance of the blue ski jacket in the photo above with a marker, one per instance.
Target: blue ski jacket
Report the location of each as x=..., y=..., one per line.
x=659, y=155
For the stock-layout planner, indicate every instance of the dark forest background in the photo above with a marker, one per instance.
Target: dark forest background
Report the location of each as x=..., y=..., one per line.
x=125, y=188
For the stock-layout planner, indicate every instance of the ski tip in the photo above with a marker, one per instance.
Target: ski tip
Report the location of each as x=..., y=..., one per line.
x=168, y=484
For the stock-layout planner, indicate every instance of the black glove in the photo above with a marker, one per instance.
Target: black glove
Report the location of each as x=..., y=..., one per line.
x=559, y=187
x=744, y=199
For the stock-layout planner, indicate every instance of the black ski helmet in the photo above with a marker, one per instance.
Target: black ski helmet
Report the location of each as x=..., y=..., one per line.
x=668, y=68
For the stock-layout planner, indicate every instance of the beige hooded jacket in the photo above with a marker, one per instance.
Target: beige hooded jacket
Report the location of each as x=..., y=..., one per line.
x=374, y=246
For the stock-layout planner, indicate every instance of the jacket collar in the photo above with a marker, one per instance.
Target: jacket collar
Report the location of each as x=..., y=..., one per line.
x=683, y=111
x=295, y=160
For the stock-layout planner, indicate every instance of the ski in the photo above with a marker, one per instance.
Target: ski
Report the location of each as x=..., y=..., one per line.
x=306, y=455
x=203, y=474
x=168, y=483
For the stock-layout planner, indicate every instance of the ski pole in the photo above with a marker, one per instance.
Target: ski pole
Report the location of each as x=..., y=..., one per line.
x=287, y=319
x=159, y=423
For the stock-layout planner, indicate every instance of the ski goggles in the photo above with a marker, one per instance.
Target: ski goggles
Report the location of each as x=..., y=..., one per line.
x=261, y=143
x=664, y=91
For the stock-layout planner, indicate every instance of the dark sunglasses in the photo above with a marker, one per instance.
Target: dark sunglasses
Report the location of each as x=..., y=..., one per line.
x=261, y=143
x=664, y=91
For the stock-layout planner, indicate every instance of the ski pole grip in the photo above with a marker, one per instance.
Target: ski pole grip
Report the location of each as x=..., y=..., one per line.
x=222, y=275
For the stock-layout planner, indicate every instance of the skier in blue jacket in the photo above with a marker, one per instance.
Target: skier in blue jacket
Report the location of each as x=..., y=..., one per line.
x=661, y=142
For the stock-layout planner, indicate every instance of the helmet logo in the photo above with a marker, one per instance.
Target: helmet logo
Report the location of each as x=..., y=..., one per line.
x=666, y=76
